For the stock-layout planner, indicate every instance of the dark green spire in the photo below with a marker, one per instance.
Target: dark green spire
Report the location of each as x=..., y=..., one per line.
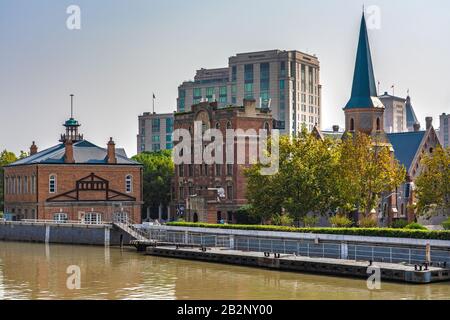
x=364, y=87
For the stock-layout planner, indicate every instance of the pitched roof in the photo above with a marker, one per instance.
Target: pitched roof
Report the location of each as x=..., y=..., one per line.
x=406, y=145
x=84, y=152
x=364, y=91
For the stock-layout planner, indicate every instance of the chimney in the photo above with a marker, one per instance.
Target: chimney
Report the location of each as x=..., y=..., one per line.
x=416, y=127
x=335, y=128
x=111, y=156
x=429, y=121
x=33, y=149
x=68, y=157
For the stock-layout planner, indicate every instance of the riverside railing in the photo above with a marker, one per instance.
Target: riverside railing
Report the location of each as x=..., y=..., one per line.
x=305, y=248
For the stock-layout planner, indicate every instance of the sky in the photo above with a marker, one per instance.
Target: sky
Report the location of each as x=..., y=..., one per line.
x=128, y=49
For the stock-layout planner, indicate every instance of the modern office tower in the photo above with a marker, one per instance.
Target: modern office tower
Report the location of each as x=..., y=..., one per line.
x=155, y=132
x=444, y=130
x=287, y=82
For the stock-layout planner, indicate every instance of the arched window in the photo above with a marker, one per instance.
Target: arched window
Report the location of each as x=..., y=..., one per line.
x=431, y=150
x=52, y=183
x=195, y=217
x=378, y=124
x=121, y=217
x=129, y=183
x=217, y=125
x=229, y=125
x=352, y=124
x=266, y=127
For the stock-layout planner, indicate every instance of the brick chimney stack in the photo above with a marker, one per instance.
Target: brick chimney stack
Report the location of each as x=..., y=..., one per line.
x=33, y=149
x=68, y=157
x=429, y=121
x=416, y=127
x=111, y=157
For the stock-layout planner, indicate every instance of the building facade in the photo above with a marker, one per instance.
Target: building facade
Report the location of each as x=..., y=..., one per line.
x=155, y=132
x=214, y=192
x=444, y=130
x=74, y=180
x=399, y=115
x=286, y=82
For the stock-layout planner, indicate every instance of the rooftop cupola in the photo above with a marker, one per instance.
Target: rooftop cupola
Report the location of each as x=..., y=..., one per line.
x=71, y=126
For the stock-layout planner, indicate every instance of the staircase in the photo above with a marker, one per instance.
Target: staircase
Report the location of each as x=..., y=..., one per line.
x=128, y=227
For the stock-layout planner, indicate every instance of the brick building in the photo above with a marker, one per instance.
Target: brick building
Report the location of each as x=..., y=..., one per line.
x=197, y=187
x=74, y=180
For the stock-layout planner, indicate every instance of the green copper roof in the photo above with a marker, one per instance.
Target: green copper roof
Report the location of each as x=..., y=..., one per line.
x=71, y=122
x=364, y=88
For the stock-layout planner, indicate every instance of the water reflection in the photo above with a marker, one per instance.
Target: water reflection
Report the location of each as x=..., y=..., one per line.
x=38, y=271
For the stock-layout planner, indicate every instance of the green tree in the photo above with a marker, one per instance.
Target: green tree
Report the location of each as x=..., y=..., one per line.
x=366, y=170
x=6, y=157
x=304, y=183
x=157, y=177
x=433, y=183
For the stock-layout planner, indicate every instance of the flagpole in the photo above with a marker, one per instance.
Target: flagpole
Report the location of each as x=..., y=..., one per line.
x=153, y=103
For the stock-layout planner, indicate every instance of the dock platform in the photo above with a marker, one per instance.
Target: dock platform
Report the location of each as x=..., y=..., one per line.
x=285, y=262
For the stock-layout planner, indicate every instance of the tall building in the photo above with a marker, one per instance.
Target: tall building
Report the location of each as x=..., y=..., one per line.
x=287, y=82
x=196, y=186
x=155, y=132
x=444, y=130
x=74, y=180
x=399, y=115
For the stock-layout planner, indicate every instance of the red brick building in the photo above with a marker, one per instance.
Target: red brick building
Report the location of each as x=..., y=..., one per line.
x=74, y=180
x=196, y=186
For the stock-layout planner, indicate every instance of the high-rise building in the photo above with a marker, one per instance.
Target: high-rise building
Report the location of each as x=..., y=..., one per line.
x=399, y=115
x=287, y=82
x=155, y=132
x=444, y=130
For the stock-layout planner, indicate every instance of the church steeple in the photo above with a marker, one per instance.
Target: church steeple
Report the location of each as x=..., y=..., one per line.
x=364, y=112
x=72, y=126
x=364, y=91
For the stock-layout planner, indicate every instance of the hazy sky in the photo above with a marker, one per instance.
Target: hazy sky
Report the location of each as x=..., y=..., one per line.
x=127, y=49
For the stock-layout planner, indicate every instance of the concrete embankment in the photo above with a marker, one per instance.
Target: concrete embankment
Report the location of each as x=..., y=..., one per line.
x=285, y=262
x=63, y=233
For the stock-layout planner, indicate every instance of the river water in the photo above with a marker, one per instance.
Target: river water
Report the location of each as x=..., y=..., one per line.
x=38, y=271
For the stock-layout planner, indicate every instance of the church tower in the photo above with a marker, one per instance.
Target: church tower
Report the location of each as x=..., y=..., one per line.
x=364, y=112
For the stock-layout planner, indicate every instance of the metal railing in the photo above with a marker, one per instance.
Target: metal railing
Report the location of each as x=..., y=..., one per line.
x=305, y=248
x=56, y=222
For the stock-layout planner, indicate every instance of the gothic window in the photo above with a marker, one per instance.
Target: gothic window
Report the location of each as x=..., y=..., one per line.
x=378, y=124
x=352, y=124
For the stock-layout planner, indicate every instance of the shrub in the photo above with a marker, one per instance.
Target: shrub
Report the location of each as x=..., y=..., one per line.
x=367, y=222
x=283, y=220
x=446, y=224
x=399, y=224
x=415, y=226
x=310, y=221
x=340, y=221
x=372, y=232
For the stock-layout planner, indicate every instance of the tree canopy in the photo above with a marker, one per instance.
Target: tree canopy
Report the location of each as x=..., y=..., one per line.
x=157, y=176
x=321, y=176
x=6, y=157
x=433, y=183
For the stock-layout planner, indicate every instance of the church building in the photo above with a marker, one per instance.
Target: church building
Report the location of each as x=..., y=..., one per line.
x=364, y=113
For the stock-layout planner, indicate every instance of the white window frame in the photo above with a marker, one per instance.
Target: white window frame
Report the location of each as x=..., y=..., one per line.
x=60, y=217
x=89, y=218
x=52, y=178
x=129, y=183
